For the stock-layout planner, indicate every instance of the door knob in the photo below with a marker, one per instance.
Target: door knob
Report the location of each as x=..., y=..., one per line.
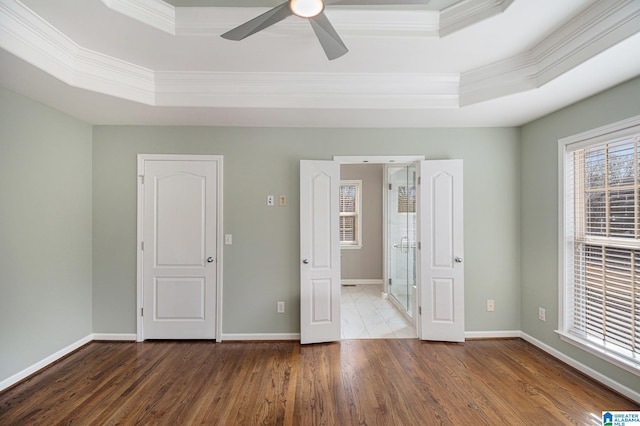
x=305, y=261
x=210, y=259
x=458, y=260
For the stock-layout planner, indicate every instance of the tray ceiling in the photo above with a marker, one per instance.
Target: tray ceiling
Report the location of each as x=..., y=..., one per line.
x=450, y=63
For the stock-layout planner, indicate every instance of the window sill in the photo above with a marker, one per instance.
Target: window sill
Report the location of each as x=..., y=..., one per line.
x=607, y=355
x=351, y=247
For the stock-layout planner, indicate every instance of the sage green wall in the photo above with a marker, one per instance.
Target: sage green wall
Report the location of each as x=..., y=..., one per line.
x=262, y=265
x=366, y=263
x=540, y=213
x=45, y=232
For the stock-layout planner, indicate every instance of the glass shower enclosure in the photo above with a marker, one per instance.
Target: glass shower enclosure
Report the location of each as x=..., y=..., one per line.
x=401, y=235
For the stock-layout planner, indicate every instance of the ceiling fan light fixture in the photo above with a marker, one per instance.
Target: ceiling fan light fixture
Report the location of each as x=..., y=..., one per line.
x=306, y=8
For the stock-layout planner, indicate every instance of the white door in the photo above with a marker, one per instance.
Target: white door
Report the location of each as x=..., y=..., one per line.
x=319, y=251
x=442, y=250
x=179, y=248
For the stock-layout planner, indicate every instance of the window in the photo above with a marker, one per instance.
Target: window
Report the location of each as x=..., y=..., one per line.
x=600, y=254
x=350, y=214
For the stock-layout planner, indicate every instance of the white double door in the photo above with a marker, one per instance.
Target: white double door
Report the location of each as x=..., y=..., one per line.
x=178, y=219
x=440, y=274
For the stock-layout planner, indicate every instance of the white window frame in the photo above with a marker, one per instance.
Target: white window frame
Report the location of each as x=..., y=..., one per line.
x=600, y=135
x=358, y=214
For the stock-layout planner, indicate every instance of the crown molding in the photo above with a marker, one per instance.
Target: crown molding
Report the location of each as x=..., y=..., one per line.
x=32, y=39
x=29, y=37
x=469, y=12
x=216, y=20
x=599, y=27
x=306, y=90
x=156, y=13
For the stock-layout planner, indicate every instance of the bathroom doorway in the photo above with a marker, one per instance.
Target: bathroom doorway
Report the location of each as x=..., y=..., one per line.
x=378, y=262
x=437, y=307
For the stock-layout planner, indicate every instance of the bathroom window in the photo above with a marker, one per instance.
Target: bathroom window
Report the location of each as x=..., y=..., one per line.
x=601, y=244
x=407, y=199
x=351, y=213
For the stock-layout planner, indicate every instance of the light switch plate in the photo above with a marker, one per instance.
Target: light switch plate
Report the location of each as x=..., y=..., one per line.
x=228, y=239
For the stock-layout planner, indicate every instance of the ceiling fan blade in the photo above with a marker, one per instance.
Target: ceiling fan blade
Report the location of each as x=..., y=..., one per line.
x=328, y=37
x=259, y=23
x=374, y=2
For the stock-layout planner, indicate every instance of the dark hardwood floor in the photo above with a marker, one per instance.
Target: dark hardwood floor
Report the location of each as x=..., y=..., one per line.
x=364, y=382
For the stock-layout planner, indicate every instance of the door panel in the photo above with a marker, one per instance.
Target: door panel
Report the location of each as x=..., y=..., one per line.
x=441, y=235
x=321, y=301
x=443, y=300
x=179, y=298
x=442, y=185
x=320, y=251
x=180, y=235
x=180, y=211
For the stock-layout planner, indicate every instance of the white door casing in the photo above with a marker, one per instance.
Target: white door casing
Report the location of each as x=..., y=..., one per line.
x=441, y=267
x=319, y=251
x=179, y=249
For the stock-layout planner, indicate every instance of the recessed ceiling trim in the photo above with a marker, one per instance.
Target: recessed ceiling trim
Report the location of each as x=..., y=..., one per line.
x=308, y=90
x=156, y=13
x=469, y=12
x=34, y=40
x=599, y=27
x=216, y=20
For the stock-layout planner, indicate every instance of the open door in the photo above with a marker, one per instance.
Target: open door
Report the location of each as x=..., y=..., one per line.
x=440, y=232
x=319, y=251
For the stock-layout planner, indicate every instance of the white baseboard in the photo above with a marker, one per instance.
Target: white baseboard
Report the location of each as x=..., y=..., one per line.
x=126, y=337
x=623, y=390
x=260, y=336
x=499, y=334
x=44, y=363
x=367, y=281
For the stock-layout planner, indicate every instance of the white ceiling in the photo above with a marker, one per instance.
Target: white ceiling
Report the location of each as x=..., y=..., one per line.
x=448, y=64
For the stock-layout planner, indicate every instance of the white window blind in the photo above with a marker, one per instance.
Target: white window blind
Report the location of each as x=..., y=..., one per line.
x=602, y=245
x=350, y=215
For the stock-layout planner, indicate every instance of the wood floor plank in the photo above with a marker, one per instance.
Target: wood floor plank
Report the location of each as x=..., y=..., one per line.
x=353, y=382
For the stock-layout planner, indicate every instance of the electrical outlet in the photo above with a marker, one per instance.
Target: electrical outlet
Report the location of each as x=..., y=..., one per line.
x=542, y=314
x=280, y=307
x=490, y=305
x=271, y=200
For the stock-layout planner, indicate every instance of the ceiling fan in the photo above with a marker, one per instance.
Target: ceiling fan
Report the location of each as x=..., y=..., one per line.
x=313, y=10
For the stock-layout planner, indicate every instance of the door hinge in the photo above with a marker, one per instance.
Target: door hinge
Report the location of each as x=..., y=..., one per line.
x=389, y=281
x=141, y=179
x=419, y=310
x=142, y=245
x=419, y=246
x=419, y=179
x=390, y=186
x=141, y=312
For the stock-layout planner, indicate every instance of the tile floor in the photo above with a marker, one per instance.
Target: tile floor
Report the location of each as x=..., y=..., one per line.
x=366, y=315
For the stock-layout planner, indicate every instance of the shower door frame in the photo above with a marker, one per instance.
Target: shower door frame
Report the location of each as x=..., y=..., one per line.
x=387, y=248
